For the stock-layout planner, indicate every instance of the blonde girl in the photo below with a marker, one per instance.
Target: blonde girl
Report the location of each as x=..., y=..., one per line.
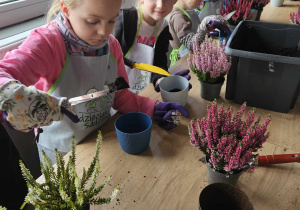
x=72, y=55
x=143, y=33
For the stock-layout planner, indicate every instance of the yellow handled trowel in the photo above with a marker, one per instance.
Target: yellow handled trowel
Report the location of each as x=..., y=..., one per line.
x=145, y=67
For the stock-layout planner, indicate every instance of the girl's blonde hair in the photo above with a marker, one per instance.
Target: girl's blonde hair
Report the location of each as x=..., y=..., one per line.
x=55, y=7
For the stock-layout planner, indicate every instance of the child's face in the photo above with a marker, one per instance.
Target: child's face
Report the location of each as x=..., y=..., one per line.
x=155, y=10
x=192, y=4
x=93, y=20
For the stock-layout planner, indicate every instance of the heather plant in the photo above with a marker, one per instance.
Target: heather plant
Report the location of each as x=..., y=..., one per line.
x=228, y=141
x=63, y=189
x=242, y=10
x=209, y=61
x=259, y=4
x=295, y=17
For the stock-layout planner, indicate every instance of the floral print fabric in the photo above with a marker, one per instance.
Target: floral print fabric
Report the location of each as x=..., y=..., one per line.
x=29, y=108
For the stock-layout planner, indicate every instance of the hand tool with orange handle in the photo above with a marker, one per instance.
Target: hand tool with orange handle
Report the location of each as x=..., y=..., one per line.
x=261, y=160
x=276, y=159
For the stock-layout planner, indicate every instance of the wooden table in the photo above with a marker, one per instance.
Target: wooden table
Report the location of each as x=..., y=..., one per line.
x=169, y=175
x=279, y=14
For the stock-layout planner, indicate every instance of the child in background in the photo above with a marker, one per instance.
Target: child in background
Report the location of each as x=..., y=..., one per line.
x=210, y=7
x=71, y=56
x=144, y=36
x=184, y=30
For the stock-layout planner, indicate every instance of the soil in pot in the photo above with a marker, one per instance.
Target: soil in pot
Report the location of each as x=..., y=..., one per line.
x=224, y=196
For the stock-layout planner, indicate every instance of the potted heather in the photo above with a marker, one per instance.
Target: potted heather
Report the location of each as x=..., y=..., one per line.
x=228, y=141
x=257, y=8
x=62, y=188
x=210, y=63
x=295, y=17
x=242, y=10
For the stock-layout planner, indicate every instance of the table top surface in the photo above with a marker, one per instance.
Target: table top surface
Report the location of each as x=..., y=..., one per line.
x=279, y=14
x=169, y=175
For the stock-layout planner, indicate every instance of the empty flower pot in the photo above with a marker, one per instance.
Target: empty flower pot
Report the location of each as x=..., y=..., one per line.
x=134, y=132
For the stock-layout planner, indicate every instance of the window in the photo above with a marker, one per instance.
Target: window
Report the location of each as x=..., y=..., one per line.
x=17, y=19
x=15, y=11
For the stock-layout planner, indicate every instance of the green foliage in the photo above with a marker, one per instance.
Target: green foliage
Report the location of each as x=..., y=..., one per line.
x=63, y=189
x=206, y=77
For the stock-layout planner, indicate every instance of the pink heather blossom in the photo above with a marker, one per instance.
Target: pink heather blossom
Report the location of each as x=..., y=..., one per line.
x=228, y=141
x=242, y=10
x=209, y=61
x=295, y=17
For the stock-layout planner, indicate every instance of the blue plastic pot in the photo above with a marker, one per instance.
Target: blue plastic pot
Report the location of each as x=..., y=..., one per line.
x=134, y=132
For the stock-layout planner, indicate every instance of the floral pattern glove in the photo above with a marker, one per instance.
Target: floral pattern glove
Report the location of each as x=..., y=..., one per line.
x=26, y=108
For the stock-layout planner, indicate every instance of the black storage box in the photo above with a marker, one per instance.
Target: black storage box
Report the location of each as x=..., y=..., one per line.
x=265, y=69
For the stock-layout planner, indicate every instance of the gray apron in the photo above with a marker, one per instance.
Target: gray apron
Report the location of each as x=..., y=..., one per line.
x=80, y=75
x=182, y=50
x=212, y=7
x=194, y=18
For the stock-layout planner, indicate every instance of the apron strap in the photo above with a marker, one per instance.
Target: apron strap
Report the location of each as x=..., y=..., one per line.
x=138, y=30
x=174, y=55
x=61, y=73
x=197, y=10
x=183, y=11
x=206, y=3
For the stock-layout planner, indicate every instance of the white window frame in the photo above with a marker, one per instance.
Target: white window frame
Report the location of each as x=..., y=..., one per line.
x=21, y=10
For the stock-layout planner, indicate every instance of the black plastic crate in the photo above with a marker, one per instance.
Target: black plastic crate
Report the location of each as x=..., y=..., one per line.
x=265, y=69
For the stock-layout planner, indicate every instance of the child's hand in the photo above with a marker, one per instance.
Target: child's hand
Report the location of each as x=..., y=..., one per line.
x=182, y=72
x=26, y=108
x=214, y=24
x=168, y=114
x=222, y=29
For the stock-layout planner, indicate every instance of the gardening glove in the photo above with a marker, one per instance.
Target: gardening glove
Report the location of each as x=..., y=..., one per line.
x=25, y=108
x=215, y=24
x=168, y=114
x=182, y=72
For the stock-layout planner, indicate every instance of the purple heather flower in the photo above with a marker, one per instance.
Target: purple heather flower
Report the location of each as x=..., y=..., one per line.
x=295, y=17
x=209, y=58
x=228, y=141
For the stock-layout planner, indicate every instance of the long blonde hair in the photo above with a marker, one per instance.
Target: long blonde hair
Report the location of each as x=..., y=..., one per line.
x=55, y=7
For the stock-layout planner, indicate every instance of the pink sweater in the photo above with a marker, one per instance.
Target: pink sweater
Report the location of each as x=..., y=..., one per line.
x=41, y=57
